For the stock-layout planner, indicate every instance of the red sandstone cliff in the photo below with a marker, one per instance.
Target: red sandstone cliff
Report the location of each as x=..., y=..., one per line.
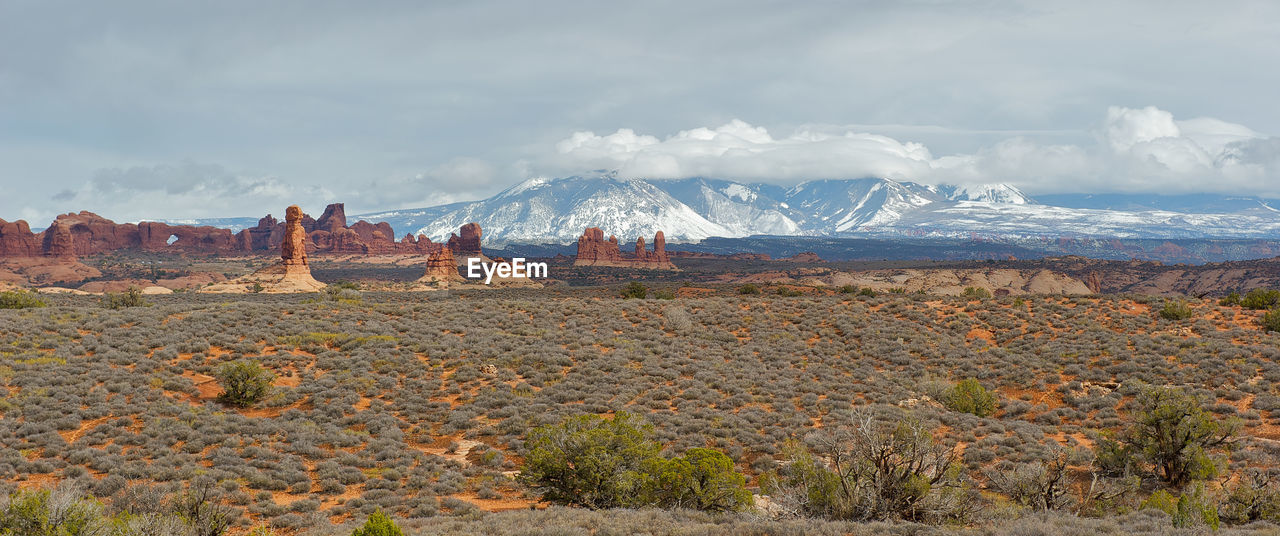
x=594, y=250
x=86, y=233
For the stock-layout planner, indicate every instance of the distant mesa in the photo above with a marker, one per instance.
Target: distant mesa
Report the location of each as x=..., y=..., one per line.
x=594, y=250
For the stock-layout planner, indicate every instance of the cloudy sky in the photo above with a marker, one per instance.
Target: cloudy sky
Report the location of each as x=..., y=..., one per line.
x=138, y=109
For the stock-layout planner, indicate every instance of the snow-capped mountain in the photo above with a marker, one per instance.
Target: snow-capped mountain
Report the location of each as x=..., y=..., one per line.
x=542, y=210
x=990, y=193
x=557, y=210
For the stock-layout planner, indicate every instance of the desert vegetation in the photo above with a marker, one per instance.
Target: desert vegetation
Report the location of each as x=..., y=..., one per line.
x=837, y=412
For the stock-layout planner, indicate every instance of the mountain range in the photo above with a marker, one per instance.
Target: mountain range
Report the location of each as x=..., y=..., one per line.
x=547, y=211
x=557, y=210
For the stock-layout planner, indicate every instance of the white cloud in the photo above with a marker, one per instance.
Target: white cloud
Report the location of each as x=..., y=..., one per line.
x=186, y=190
x=1136, y=150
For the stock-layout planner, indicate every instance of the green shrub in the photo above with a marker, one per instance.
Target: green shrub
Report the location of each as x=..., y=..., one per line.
x=128, y=298
x=343, y=292
x=19, y=299
x=591, y=461
x=702, y=479
x=969, y=396
x=635, y=290
x=1230, y=299
x=1173, y=433
x=665, y=294
x=378, y=524
x=788, y=292
x=748, y=289
x=848, y=289
x=976, y=293
x=609, y=463
x=1186, y=511
x=1271, y=320
x=243, y=383
x=1175, y=310
x=1260, y=298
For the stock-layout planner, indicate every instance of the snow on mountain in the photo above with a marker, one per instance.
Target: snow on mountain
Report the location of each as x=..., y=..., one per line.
x=990, y=193
x=540, y=210
x=742, y=209
x=839, y=206
x=557, y=210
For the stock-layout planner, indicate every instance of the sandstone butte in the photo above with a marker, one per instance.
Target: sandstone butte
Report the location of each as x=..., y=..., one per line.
x=594, y=250
x=291, y=274
x=441, y=267
x=75, y=235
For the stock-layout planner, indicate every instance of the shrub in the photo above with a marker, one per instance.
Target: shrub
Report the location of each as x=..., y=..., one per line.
x=1187, y=510
x=702, y=479
x=244, y=383
x=128, y=298
x=590, y=461
x=976, y=293
x=1175, y=310
x=1260, y=298
x=55, y=513
x=1271, y=320
x=635, y=290
x=870, y=471
x=1230, y=299
x=19, y=299
x=343, y=292
x=378, y=524
x=748, y=289
x=665, y=294
x=1175, y=434
x=848, y=289
x=969, y=396
x=607, y=463
x=788, y=292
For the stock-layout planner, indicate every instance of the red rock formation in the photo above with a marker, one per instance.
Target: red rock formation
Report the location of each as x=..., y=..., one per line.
x=441, y=266
x=293, y=248
x=86, y=233
x=593, y=250
x=467, y=245
x=17, y=240
x=333, y=218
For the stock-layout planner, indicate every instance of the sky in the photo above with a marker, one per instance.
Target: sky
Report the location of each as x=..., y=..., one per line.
x=156, y=109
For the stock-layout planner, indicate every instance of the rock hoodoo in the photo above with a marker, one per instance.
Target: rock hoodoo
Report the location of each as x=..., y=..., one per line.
x=441, y=266
x=594, y=250
x=293, y=272
x=293, y=247
x=468, y=244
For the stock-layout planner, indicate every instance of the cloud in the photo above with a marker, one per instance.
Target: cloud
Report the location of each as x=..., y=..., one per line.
x=186, y=189
x=1134, y=150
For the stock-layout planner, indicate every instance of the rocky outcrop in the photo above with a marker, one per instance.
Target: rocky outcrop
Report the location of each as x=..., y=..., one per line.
x=293, y=249
x=17, y=240
x=292, y=274
x=594, y=250
x=467, y=244
x=85, y=233
x=441, y=266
